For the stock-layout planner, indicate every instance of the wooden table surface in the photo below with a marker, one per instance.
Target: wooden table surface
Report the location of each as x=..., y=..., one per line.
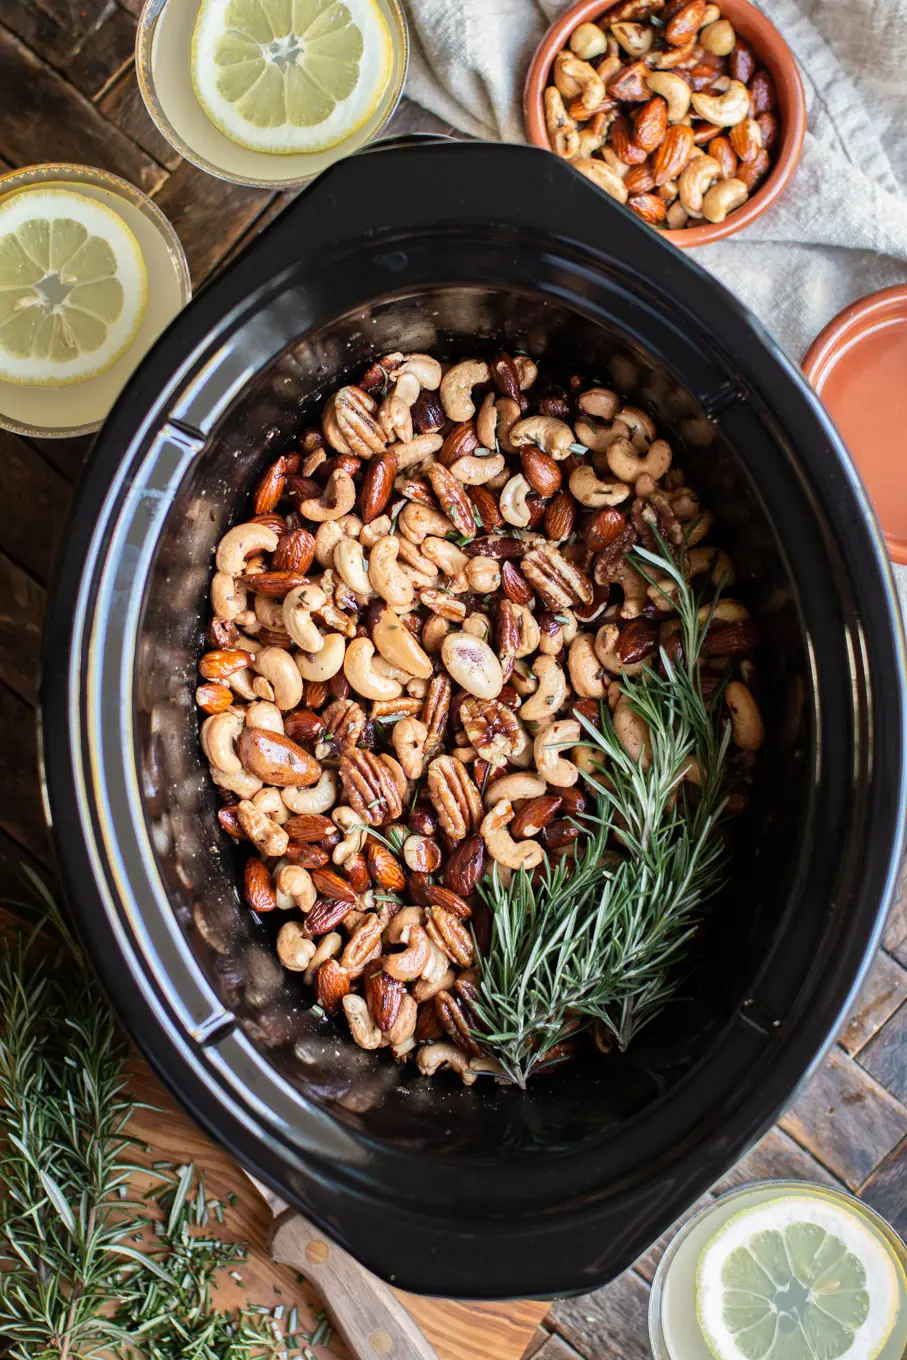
x=68, y=92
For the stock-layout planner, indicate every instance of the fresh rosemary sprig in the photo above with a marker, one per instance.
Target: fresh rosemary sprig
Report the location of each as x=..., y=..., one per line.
x=601, y=938
x=88, y=1270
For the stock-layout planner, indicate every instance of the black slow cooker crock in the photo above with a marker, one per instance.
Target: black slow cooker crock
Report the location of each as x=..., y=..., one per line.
x=483, y=1191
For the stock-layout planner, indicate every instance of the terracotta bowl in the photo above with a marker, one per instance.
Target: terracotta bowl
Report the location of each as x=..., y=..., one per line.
x=772, y=52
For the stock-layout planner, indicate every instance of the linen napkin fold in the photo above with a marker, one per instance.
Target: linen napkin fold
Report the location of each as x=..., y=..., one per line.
x=838, y=232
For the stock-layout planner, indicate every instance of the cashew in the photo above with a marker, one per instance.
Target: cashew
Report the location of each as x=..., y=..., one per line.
x=399, y=928
x=336, y=500
x=695, y=177
x=319, y=798
x=551, y=692
x=725, y=611
x=603, y=176
x=349, y=563
x=411, y=962
x=398, y=646
x=426, y=988
x=354, y=831
x=419, y=522
x=329, y=946
x=278, y=667
x=483, y=575
x=724, y=110
x=457, y=385
x=218, y=736
x=724, y=198
x=599, y=402
x=674, y=90
x=677, y=216
x=501, y=846
x=327, y=536
x=433, y=1057
x=418, y=453
x=409, y=737
x=512, y=788
x=549, y=762
x=627, y=465
x=297, y=619
x=262, y=714
x=387, y=578
x=264, y=833
x=606, y=640
x=599, y=438
x=294, y=885
x=585, y=668
x=400, y=1035
x=592, y=492
x=632, y=732
x=588, y=41
x=362, y=1026
x=635, y=39
x=513, y=502
x=228, y=597
x=294, y=948
x=530, y=634
x=240, y=782
x=239, y=543
x=746, y=720
x=434, y=633
x=561, y=127
x=552, y=436
x=321, y=665
x=394, y=415
x=269, y=801
x=475, y=469
x=588, y=83
x=476, y=625
x=424, y=368
x=379, y=528
x=445, y=555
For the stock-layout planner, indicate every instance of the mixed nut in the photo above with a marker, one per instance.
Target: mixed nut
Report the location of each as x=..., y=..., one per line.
x=665, y=107
x=430, y=585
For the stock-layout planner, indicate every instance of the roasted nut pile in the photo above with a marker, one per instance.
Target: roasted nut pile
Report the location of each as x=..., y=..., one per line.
x=427, y=589
x=665, y=107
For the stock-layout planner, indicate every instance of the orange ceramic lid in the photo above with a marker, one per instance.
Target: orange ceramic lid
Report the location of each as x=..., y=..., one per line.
x=858, y=366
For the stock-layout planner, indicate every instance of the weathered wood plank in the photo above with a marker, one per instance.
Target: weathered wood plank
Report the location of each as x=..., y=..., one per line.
x=103, y=54
x=66, y=456
x=21, y=813
x=208, y=214
x=556, y=1348
x=122, y=103
x=846, y=1119
x=55, y=30
x=610, y=1324
x=895, y=940
x=884, y=991
x=885, y=1057
x=775, y=1157
x=886, y=1189
x=35, y=501
x=541, y=1337
x=46, y=119
x=21, y=617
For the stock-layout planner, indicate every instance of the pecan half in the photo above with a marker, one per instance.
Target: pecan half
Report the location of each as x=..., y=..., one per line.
x=451, y=1014
x=349, y=425
x=450, y=934
x=559, y=583
x=370, y=787
x=453, y=499
x=492, y=729
x=435, y=712
x=454, y=797
x=344, y=722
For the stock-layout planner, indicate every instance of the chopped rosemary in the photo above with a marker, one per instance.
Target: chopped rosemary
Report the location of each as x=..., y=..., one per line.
x=601, y=937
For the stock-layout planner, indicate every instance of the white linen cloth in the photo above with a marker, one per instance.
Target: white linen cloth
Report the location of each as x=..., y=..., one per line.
x=839, y=230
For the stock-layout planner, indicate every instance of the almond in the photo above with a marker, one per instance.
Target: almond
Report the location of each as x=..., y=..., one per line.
x=427, y=413
x=326, y=914
x=560, y=517
x=721, y=150
x=630, y=86
x=515, y=585
x=768, y=126
x=449, y=900
x=762, y=94
x=213, y=698
x=503, y=369
x=315, y=694
x=685, y=24
x=377, y=486
x=574, y=799
x=746, y=139
x=461, y=441
x=229, y=821
x=465, y=866
x=486, y=503
x=540, y=470
x=272, y=486
x=637, y=641
x=559, y=833
x=427, y=1024
x=741, y=61
x=308, y=827
x=534, y=815
x=730, y=639
x=639, y=179
x=302, y=725
x=649, y=207
x=258, y=886
x=754, y=171
x=307, y=856
x=650, y=124
x=384, y=868
x=332, y=983
x=276, y=759
x=332, y=885
x=603, y=528
x=673, y=153
x=383, y=996
x=356, y=871
x=220, y=665
x=274, y=584
x=453, y=499
x=622, y=143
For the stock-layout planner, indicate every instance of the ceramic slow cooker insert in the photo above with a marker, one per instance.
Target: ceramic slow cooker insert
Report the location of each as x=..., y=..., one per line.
x=482, y=1191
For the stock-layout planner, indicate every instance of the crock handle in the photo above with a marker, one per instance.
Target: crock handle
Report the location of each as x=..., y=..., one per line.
x=366, y=1313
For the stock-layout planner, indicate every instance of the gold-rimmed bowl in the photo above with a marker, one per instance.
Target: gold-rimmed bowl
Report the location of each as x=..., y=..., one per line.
x=163, y=48
x=81, y=408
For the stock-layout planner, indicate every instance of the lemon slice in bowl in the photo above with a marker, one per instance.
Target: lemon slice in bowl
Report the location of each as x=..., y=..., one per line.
x=290, y=76
x=73, y=287
x=797, y=1278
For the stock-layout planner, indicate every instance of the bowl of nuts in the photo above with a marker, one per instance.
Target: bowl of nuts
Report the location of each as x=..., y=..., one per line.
x=474, y=785
x=690, y=113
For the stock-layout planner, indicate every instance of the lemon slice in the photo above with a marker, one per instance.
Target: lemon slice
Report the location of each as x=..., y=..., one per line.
x=798, y=1278
x=288, y=76
x=73, y=287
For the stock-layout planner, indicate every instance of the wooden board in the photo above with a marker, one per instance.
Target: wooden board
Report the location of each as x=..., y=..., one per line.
x=458, y=1331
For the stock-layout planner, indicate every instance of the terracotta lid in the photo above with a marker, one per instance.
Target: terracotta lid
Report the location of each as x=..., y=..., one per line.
x=858, y=366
